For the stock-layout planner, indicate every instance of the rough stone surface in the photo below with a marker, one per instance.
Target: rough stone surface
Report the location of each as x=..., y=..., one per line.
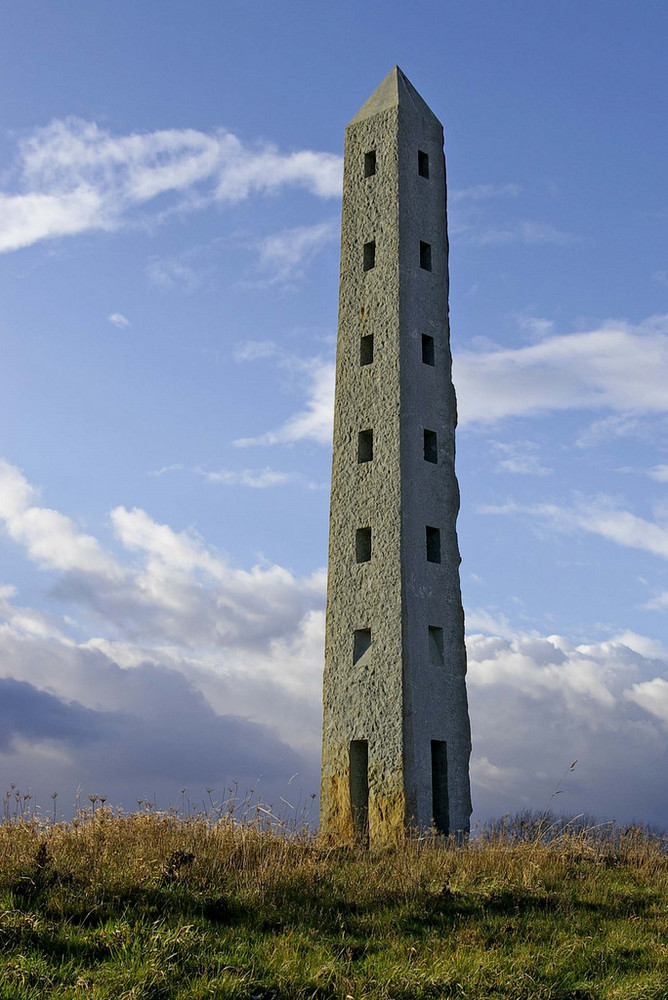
x=395, y=697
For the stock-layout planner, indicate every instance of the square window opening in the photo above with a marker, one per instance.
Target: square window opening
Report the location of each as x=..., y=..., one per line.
x=365, y=446
x=428, y=356
x=369, y=260
x=425, y=256
x=423, y=164
x=430, y=447
x=433, y=544
x=361, y=642
x=370, y=163
x=436, y=645
x=363, y=545
x=366, y=349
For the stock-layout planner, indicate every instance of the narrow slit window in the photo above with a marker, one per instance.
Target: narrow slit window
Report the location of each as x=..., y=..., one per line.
x=435, y=645
x=365, y=446
x=361, y=642
x=425, y=256
x=359, y=787
x=370, y=255
x=370, y=163
x=423, y=164
x=363, y=545
x=428, y=357
x=433, y=544
x=366, y=349
x=439, y=787
x=430, y=446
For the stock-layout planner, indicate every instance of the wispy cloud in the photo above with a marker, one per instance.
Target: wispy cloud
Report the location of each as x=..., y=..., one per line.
x=314, y=421
x=483, y=192
x=252, y=350
x=73, y=176
x=283, y=255
x=617, y=366
x=171, y=272
x=259, y=479
x=599, y=515
x=471, y=209
x=528, y=232
x=520, y=458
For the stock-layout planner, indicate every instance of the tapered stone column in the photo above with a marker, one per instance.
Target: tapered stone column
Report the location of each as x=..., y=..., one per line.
x=396, y=737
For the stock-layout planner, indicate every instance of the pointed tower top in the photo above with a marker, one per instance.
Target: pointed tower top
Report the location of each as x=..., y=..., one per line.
x=395, y=90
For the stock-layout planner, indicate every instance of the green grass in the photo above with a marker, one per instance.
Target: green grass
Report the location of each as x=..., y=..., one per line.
x=150, y=906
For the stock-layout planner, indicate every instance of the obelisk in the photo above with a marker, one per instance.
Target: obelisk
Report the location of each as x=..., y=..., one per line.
x=396, y=735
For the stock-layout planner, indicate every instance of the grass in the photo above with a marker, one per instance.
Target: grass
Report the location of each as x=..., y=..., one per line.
x=151, y=906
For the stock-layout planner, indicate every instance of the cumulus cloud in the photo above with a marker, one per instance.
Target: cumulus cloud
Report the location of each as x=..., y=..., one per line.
x=181, y=650
x=73, y=176
x=51, y=540
x=171, y=668
x=175, y=589
x=540, y=702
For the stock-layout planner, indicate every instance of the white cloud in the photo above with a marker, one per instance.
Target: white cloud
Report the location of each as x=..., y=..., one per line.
x=659, y=472
x=482, y=192
x=600, y=516
x=520, y=458
x=173, y=273
x=119, y=320
x=259, y=479
x=527, y=232
x=73, y=176
x=255, y=478
x=176, y=590
x=538, y=327
x=252, y=350
x=617, y=366
x=283, y=255
x=652, y=696
x=538, y=703
x=314, y=422
x=611, y=428
x=189, y=666
x=51, y=540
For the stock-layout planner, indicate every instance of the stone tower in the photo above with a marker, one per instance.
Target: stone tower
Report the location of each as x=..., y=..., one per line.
x=396, y=737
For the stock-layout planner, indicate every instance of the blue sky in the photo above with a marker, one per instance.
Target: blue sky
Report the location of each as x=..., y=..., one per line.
x=169, y=213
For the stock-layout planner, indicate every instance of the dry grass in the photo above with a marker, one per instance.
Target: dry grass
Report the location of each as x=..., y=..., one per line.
x=149, y=906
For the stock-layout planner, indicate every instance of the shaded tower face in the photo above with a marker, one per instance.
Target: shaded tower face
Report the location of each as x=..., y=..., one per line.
x=396, y=739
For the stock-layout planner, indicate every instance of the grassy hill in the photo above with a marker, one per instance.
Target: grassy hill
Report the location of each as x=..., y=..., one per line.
x=150, y=906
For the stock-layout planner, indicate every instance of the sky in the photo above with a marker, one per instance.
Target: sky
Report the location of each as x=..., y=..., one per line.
x=170, y=181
